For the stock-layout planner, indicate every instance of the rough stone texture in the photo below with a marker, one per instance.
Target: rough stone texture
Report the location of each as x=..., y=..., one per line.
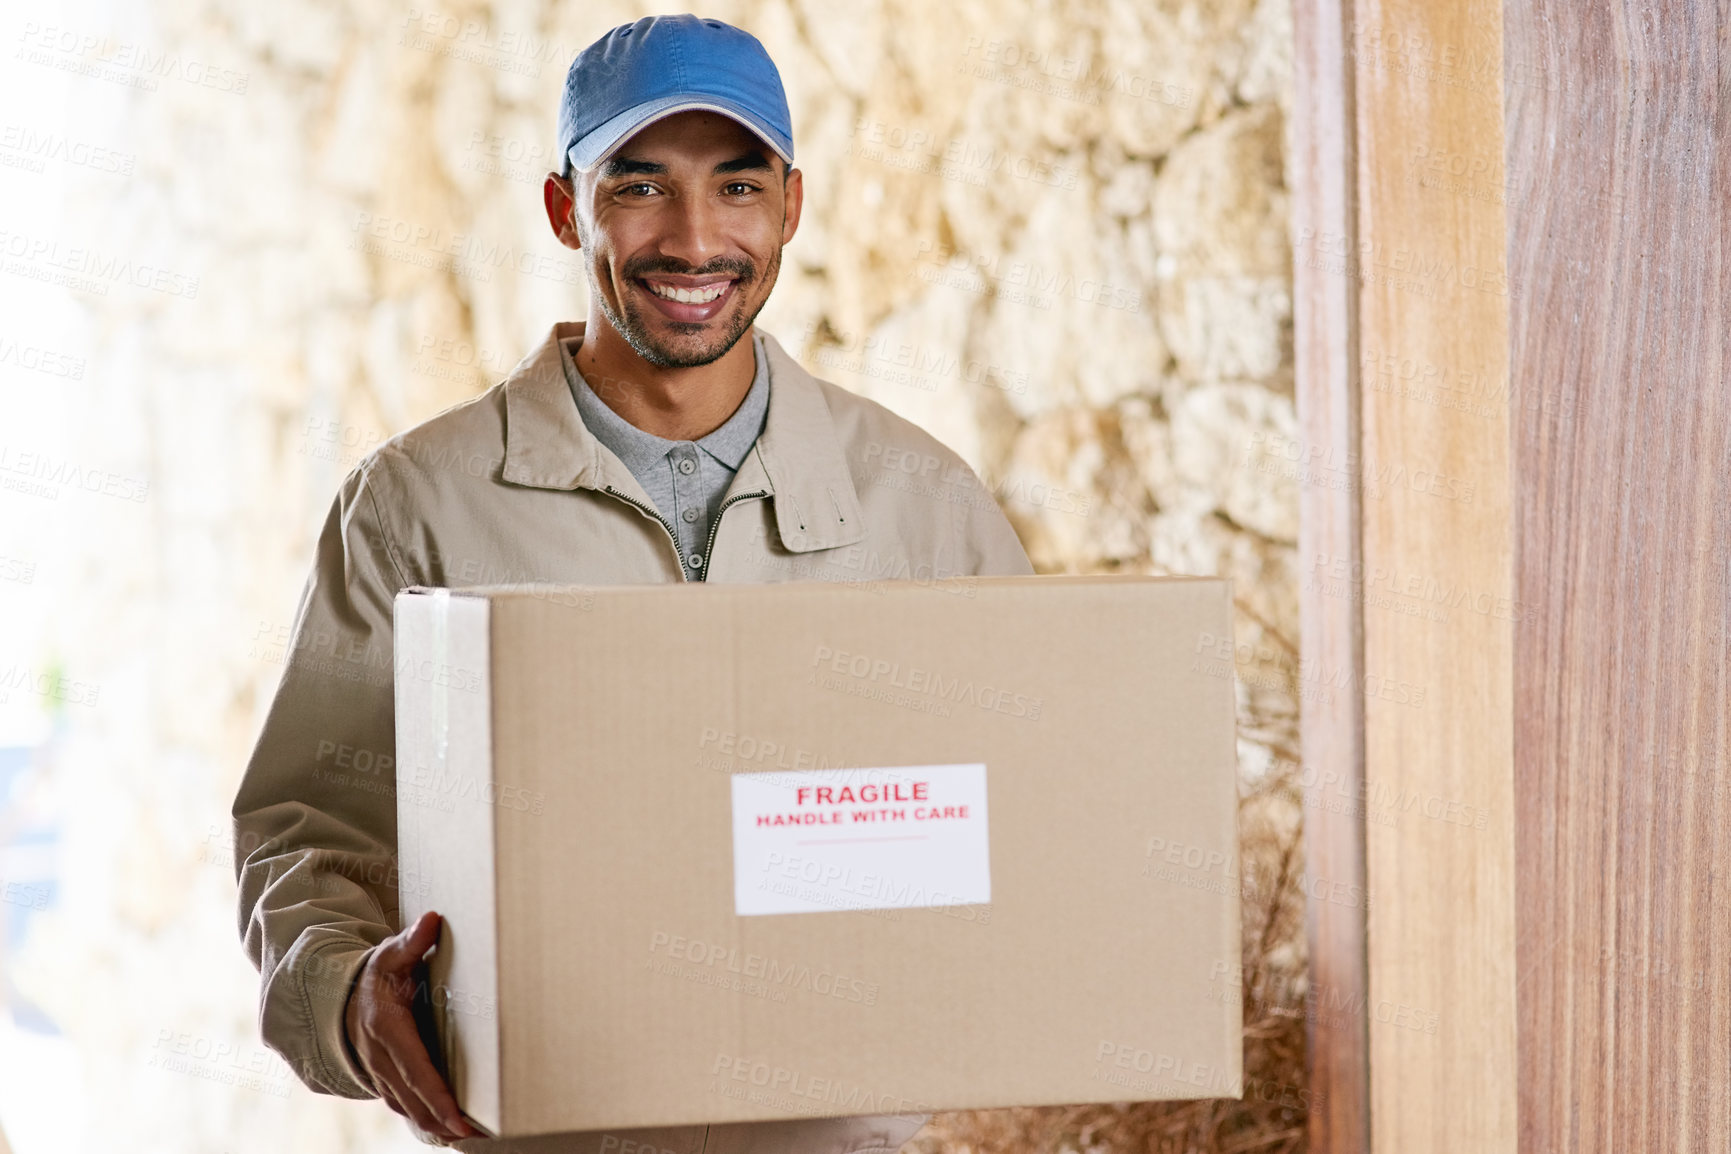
x=1058, y=241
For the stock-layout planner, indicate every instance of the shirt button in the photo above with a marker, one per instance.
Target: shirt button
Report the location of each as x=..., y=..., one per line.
x=688, y=516
x=687, y=466
x=695, y=560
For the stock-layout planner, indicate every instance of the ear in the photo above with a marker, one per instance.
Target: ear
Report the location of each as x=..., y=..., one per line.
x=793, y=199
x=560, y=196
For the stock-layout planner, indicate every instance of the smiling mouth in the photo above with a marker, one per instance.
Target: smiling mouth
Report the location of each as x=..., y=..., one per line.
x=688, y=300
x=690, y=296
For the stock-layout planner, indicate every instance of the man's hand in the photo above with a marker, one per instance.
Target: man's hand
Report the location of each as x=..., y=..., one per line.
x=380, y=1022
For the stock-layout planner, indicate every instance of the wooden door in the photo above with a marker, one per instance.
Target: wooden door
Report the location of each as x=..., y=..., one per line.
x=1619, y=162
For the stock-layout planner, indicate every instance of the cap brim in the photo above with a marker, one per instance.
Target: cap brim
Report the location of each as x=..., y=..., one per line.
x=600, y=144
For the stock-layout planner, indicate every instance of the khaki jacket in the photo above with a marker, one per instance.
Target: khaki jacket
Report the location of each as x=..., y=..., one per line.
x=510, y=487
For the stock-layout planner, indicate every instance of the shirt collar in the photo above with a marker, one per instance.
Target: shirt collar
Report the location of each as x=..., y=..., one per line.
x=798, y=458
x=640, y=450
x=733, y=439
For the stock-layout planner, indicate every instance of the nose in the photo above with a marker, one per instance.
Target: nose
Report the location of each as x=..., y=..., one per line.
x=691, y=230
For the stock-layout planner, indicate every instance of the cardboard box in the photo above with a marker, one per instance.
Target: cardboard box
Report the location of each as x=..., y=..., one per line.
x=676, y=892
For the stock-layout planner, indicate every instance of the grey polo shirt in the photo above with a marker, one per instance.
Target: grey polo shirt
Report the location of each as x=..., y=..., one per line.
x=686, y=479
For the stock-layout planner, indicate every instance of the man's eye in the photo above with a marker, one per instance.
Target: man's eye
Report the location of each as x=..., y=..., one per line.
x=639, y=188
x=739, y=188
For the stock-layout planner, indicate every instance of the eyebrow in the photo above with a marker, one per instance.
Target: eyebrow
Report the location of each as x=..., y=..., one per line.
x=618, y=166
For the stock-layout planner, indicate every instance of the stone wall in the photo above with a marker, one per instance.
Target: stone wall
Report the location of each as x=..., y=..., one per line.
x=1055, y=235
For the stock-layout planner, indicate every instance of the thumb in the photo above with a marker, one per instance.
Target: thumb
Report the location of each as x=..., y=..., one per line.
x=402, y=951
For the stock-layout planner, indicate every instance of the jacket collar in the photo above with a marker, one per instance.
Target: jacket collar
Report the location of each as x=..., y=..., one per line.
x=798, y=458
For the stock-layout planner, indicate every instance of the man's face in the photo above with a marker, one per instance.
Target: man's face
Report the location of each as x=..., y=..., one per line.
x=681, y=231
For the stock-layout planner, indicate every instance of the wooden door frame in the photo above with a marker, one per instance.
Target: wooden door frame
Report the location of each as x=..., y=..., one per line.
x=1325, y=349
x=1392, y=270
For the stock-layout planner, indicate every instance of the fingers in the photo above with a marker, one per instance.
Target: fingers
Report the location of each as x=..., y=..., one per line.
x=401, y=1069
x=399, y=1097
x=414, y=1068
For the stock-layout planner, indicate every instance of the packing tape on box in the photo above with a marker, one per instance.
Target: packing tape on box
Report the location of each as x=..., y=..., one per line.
x=441, y=706
x=440, y=719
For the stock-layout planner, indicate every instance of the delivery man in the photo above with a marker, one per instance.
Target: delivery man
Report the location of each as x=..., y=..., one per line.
x=663, y=439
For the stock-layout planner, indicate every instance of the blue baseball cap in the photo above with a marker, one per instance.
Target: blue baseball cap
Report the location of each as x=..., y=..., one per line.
x=639, y=73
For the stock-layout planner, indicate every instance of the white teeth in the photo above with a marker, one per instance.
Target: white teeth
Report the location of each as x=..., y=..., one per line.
x=689, y=296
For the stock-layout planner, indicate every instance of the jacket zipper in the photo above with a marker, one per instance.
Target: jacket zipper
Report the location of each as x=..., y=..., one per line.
x=673, y=536
x=709, y=549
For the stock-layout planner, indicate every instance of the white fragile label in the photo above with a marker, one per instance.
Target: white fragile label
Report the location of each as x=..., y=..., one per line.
x=860, y=839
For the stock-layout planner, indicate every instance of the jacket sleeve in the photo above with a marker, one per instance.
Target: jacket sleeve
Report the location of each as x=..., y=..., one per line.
x=989, y=542
x=315, y=822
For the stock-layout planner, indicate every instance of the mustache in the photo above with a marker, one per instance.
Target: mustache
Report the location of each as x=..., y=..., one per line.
x=740, y=269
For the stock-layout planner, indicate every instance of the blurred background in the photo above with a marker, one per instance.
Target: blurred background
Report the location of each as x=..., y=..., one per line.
x=242, y=244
